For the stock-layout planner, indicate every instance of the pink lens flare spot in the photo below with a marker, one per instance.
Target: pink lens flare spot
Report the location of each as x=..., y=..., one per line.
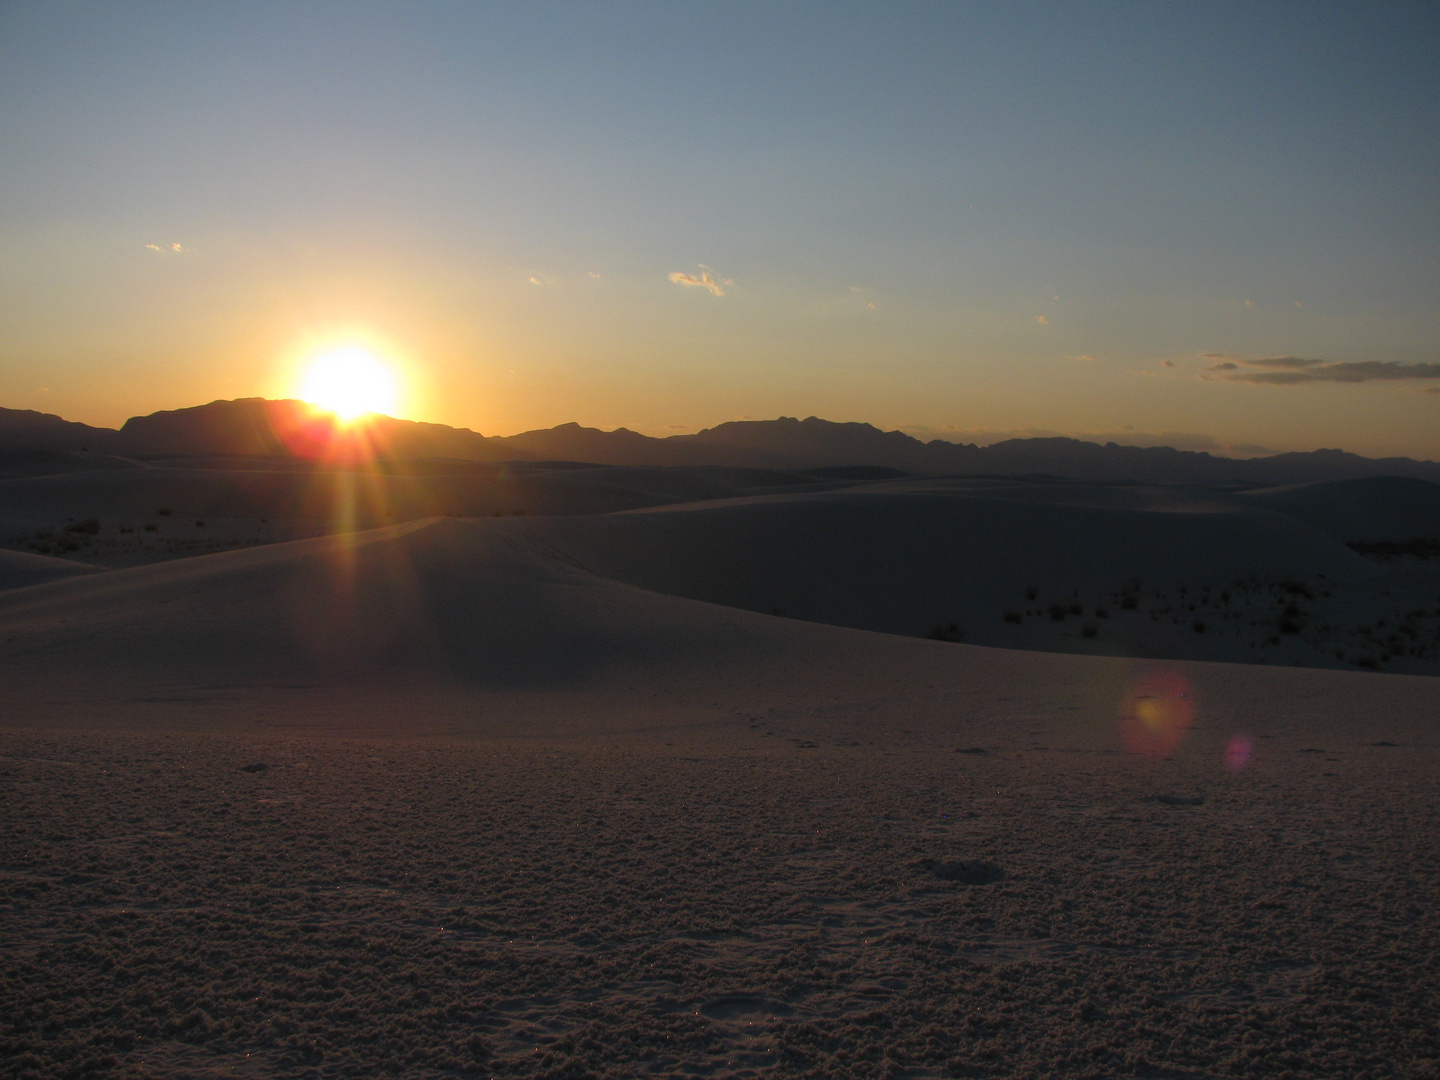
x=1237, y=752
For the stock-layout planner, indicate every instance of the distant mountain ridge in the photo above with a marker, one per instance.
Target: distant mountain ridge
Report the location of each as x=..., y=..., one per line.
x=258, y=427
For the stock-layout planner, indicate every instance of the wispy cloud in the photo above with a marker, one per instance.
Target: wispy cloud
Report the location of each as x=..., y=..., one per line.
x=705, y=281
x=1042, y=320
x=164, y=247
x=1295, y=370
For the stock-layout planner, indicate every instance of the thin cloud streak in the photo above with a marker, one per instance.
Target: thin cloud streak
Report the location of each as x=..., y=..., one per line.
x=1295, y=370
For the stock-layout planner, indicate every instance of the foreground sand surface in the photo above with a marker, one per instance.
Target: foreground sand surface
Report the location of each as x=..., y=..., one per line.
x=734, y=905
x=441, y=799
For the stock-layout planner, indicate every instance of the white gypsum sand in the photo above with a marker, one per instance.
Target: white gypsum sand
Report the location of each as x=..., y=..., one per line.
x=519, y=819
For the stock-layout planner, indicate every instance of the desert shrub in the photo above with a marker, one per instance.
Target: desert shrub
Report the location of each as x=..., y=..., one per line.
x=1101, y=612
x=150, y=527
x=1089, y=630
x=1198, y=626
x=199, y=524
x=1296, y=587
x=1013, y=617
x=1076, y=609
x=1031, y=592
x=89, y=526
x=1421, y=547
x=1129, y=602
x=1058, y=612
x=946, y=632
x=163, y=511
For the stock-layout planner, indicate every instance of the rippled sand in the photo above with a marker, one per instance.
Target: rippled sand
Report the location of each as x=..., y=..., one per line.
x=718, y=906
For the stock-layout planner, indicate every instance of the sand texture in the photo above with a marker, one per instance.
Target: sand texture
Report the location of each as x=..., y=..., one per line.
x=416, y=908
x=564, y=797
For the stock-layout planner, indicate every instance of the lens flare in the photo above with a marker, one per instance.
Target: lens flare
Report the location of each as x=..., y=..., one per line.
x=1237, y=752
x=1156, y=713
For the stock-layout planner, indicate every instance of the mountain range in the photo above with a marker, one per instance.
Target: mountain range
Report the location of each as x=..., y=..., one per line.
x=294, y=432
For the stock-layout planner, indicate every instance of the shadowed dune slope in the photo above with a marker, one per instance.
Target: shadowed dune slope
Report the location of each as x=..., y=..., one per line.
x=1372, y=508
x=893, y=562
x=355, y=499
x=19, y=569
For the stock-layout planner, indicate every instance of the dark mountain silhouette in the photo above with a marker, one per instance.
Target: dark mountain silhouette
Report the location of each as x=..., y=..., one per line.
x=27, y=430
x=789, y=443
x=257, y=427
x=260, y=428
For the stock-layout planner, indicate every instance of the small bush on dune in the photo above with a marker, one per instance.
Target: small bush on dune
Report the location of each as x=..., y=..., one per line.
x=89, y=526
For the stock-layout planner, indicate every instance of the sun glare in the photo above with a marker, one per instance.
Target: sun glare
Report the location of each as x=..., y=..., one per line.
x=349, y=382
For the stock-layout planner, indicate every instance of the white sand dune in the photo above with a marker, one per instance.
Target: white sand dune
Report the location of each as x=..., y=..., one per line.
x=461, y=797
x=1375, y=508
x=354, y=499
x=895, y=561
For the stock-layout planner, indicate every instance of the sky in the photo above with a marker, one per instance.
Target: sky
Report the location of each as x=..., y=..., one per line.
x=1213, y=226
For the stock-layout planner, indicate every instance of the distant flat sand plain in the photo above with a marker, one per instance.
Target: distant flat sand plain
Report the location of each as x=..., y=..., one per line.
x=558, y=797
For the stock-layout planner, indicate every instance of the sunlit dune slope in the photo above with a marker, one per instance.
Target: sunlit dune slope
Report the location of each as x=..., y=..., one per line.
x=441, y=606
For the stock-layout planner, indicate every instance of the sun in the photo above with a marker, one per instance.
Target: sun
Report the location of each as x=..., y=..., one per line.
x=349, y=382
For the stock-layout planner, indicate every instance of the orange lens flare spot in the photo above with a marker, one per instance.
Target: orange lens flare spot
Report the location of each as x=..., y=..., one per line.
x=1156, y=713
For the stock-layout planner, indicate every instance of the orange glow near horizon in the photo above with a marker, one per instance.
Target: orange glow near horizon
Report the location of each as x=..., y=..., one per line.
x=350, y=383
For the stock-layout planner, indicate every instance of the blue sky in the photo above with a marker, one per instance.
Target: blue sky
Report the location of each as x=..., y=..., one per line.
x=1125, y=220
